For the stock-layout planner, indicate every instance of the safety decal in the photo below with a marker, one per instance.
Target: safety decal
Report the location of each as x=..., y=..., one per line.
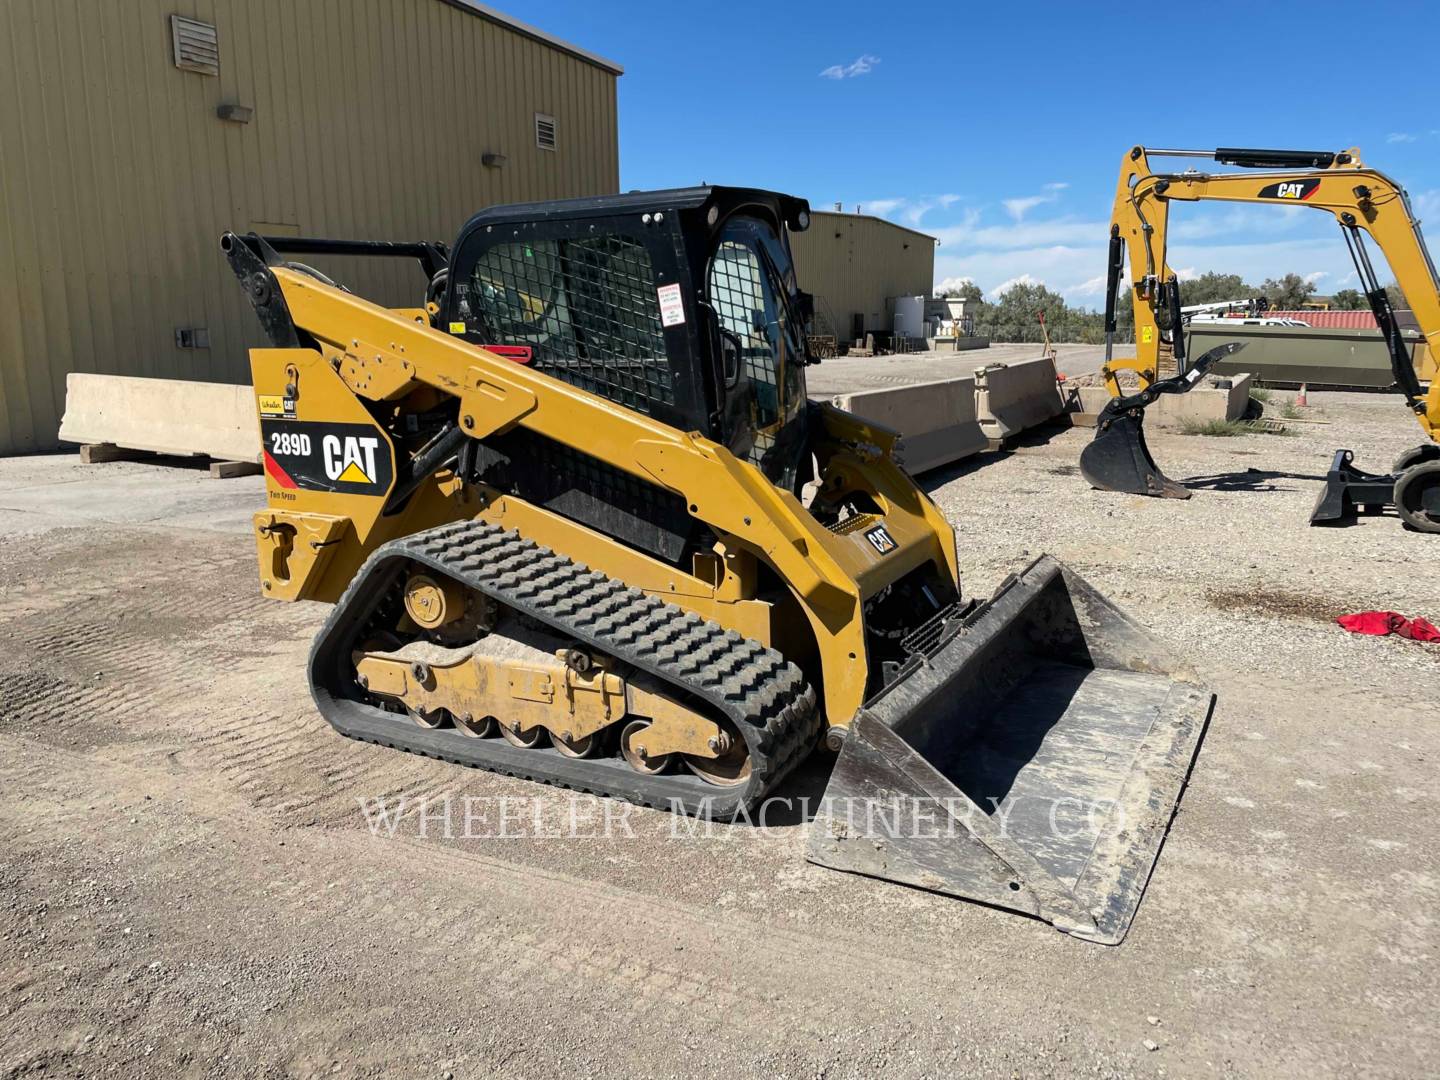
x=1291, y=189
x=672, y=307
x=349, y=459
x=881, y=540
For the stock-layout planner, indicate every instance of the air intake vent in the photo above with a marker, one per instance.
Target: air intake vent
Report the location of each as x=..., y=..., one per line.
x=197, y=46
x=544, y=131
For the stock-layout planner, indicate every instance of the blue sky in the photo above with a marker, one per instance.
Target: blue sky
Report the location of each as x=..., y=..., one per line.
x=999, y=128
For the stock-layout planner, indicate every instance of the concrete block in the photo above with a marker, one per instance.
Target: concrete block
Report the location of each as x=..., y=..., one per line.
x=225, y=470
x=99, y=453
x=1013, y=397
x=163, y=416
x=936, y=420
x=1208, y=401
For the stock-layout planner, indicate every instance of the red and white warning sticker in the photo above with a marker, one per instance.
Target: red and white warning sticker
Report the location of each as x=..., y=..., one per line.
x=672, y=308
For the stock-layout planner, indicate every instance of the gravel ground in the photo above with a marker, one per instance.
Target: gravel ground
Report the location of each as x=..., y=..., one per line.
x=188, y=886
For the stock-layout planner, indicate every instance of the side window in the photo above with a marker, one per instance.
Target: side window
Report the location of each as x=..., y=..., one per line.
x=587, y=307
x=746, y=286
x=746, y=312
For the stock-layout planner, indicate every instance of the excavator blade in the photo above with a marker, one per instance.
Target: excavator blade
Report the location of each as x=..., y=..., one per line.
x=1030, y=759
x=1118, y=459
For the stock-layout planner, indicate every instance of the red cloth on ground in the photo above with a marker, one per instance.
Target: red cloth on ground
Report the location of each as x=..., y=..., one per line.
x=1421, y=630
x=1380, y=623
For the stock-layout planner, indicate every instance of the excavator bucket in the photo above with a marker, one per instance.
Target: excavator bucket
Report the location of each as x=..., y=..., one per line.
x=1117, y=459
x=1030, y=758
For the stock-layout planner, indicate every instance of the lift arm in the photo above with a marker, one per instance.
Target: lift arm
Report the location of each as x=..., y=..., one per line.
x=1363, y=202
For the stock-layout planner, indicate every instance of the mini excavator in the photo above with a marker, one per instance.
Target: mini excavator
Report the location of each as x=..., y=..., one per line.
x=581, y=524
x=1363, y=202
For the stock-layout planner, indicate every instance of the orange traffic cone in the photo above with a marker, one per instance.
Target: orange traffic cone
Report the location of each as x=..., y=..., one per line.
x=1300, y=397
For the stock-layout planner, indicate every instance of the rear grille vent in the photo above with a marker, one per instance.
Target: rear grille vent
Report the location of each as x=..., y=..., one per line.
x=544, y=131
x=197, y=45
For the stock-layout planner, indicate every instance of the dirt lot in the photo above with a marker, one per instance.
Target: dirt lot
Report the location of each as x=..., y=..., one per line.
x=188, y=886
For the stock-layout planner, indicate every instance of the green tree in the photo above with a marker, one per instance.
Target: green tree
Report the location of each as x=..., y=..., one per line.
x=967, y=290
x=1213, y=288
x=1287, y=294
x=1349, y=300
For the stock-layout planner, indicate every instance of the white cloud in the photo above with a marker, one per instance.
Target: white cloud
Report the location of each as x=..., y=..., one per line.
x=952, y=284
x=914, y=211
x=910, y=210
x=1095, y=286
x=861, y=66
x=1427, y=204
x=1186, y=273
x=881, y=207
x=1021, y=206
x=1399, y=137
x=1019, y=279
x=1315, y=275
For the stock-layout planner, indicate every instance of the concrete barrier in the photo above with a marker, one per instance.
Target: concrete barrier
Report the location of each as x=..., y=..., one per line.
x=1213, y=399
x=164, y=416
x=936, y=420
x=1012, y=397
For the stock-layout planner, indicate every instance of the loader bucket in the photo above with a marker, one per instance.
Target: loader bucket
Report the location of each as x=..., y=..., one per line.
x=1117, y=459
x=1031, y=759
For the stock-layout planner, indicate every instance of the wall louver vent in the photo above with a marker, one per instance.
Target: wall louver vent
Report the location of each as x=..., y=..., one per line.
x=197, y=45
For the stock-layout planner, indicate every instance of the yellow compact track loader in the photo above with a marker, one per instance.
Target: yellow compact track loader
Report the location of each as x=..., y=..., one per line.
x=581, y=524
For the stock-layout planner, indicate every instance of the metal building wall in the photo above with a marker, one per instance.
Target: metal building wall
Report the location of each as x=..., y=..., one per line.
x=370, y=119
x=853, y=263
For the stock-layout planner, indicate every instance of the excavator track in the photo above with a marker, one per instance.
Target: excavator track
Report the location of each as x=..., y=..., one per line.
x=764, y=696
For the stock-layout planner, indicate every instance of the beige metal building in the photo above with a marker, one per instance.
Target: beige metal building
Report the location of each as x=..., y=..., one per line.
x=132, y=134
x=854, y=263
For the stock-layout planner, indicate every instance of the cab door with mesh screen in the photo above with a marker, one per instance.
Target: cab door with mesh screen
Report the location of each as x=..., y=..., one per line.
x=762, y=359
x=584, y=297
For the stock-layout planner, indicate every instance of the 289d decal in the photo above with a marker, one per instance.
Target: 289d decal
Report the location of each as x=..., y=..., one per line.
x=351, y=459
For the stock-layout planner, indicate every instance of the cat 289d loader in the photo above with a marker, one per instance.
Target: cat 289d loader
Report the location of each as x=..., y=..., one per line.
x=580, y=524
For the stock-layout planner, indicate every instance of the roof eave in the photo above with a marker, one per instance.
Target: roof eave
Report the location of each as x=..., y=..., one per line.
x=484, y=11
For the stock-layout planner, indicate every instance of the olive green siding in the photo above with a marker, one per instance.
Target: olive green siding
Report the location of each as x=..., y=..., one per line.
x=370, y=119
x=1304, y=354
x=853, y=263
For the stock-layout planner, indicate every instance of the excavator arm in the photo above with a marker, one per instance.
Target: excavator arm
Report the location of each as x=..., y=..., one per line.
x=1364, y=202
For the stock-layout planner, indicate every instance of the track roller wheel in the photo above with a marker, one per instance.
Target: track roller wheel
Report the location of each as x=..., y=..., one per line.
x=526, y=740
x=586, y=747
x=728, y=770
x=474, y=727
x=632, y=748
x=429, y=719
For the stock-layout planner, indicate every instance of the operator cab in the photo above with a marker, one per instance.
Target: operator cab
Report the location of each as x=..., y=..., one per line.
x=680, y=304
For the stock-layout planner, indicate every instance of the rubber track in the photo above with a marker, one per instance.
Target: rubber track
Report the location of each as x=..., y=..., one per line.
x=765, y=696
